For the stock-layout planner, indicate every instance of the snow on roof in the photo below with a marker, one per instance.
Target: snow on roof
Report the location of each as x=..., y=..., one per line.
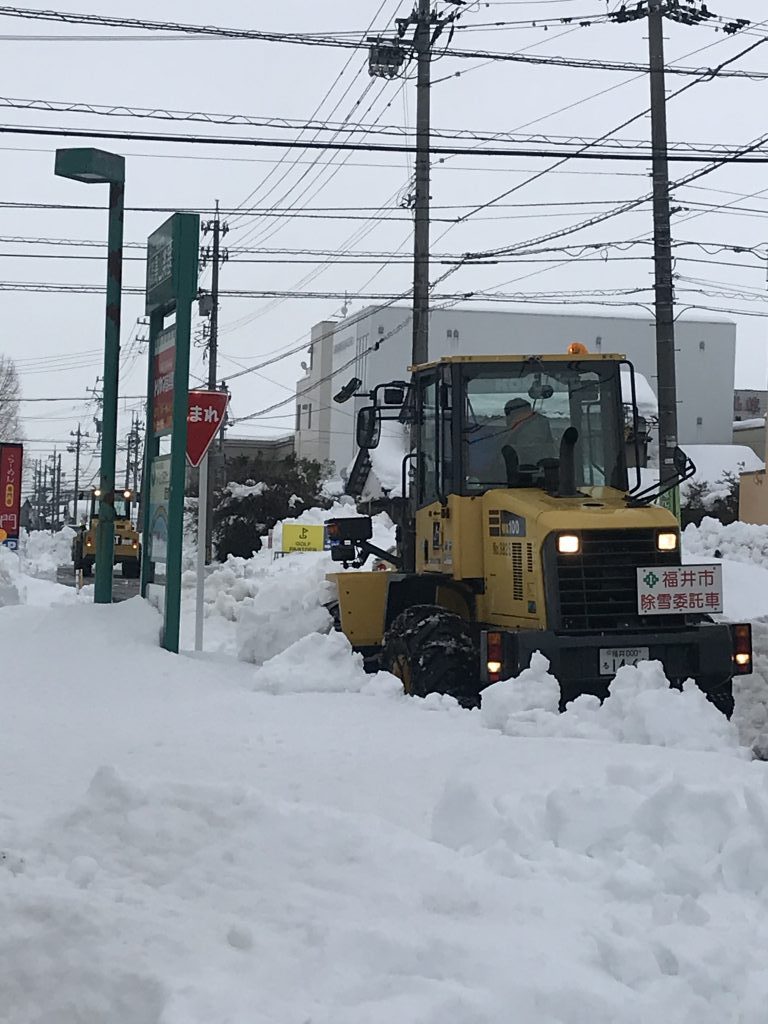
x=647, y=403
x=754, y=424
x=713, y=460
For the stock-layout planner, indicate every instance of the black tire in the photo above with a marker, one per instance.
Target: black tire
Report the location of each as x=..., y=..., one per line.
x=87, y=567
x=431, y=650
x=131, y=570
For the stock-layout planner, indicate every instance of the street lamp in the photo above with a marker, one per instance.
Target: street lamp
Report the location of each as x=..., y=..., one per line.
x=95, y=166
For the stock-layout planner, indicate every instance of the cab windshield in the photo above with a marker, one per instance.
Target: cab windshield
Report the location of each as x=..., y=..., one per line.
x=514, y=420
x=122, y=507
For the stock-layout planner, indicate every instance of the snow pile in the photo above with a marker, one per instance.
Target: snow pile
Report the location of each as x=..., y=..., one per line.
x=323, y=663
x=257, y=607
x=11, y=588
x=42, y=552
x=740, y=541
x=180, y=848
x=641, y=708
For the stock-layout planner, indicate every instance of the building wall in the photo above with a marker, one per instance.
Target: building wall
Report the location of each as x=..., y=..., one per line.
x=752, y=437
x=313, y=396
x=271, y=449
x=375, y=345
x=753, y=498
x=748, y=405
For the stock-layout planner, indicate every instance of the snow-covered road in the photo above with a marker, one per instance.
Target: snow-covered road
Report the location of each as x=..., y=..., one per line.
x=205, y=839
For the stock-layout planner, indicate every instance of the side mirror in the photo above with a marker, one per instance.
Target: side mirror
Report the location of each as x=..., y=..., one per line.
x=537, y=391
x=368, y=432
x=680, y=460
x=394, y=396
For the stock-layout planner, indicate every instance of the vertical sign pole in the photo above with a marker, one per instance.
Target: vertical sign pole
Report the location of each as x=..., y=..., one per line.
x=202, y=525
x=172, y=260
x=105, y=530
x=151, y=450
x=185, y=294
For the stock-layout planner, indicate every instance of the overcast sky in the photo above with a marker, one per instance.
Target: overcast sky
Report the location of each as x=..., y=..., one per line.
x=57, y=338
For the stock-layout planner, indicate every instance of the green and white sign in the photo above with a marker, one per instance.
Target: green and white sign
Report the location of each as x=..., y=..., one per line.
x=159, y=495
x=172, y=263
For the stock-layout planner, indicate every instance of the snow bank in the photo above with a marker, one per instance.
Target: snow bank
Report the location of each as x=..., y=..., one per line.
x=323, y=663
x=11, y=588
x=179, y=848
x=257, y=607
x=42, y=552
x=641, y=708
x=740, y=541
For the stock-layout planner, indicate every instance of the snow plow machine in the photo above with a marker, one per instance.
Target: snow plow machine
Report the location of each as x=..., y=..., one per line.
x=523, y=532
x=127, y=542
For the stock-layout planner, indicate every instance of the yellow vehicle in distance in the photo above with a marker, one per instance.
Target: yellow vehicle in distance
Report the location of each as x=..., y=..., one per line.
x=127, y=544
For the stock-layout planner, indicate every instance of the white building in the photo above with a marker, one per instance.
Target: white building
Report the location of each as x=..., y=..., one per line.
x=375, y=345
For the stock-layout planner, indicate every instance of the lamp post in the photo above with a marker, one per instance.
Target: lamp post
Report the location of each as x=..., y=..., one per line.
x=96, y=166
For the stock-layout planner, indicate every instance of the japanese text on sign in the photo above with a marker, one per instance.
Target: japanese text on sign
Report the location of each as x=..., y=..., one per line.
x=200, y=414
x=11, y=462
x=163, y=373
x=680, y=589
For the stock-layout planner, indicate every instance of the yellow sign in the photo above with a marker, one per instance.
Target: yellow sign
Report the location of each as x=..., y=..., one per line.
x=303, y=538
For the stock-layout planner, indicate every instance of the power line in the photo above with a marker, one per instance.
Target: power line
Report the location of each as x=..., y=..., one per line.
x=367, y=147
x=325, y=40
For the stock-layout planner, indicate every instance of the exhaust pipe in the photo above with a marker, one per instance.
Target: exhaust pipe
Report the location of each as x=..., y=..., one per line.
x=567, y=488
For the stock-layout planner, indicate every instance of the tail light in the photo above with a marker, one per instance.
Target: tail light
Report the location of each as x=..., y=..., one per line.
x=494, y=656
x=741, y=640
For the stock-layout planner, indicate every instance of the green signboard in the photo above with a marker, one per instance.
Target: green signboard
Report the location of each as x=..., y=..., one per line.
x=172, y=265
x=671, y=501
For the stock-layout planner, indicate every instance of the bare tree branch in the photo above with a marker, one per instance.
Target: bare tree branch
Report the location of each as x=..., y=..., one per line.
x=10, y=393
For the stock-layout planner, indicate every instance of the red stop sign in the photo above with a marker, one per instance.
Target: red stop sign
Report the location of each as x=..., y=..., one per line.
x=205, y=415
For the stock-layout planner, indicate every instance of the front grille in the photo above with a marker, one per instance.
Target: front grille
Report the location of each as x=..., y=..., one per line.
x=597, y=588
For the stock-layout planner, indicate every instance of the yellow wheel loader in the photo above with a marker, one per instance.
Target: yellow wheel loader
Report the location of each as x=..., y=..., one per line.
x=524, y=531
x=127, y=544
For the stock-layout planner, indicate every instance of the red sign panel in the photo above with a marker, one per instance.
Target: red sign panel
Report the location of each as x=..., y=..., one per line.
x=205, y=415
x=162, y=374
x=11, y=461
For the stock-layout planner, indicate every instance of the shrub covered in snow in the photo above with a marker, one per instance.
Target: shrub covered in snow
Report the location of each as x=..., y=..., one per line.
x=247, y=508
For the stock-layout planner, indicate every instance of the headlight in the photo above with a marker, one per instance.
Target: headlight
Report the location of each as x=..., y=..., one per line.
x=666, y=541
x=126, y=494
x=568, y=544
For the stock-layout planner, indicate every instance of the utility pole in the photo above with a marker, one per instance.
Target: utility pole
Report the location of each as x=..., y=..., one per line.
x=75, y=448
x=385, y=60
x=136, y=449
x=422, y=43
x=684, y=12
x=216, y=257
x=662, y=246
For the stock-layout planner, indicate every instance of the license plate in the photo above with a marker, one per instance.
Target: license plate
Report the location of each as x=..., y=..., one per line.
x=614, y=658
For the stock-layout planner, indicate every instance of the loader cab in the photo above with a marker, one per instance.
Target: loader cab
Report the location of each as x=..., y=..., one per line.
x=553, y=423
x=122, y=503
